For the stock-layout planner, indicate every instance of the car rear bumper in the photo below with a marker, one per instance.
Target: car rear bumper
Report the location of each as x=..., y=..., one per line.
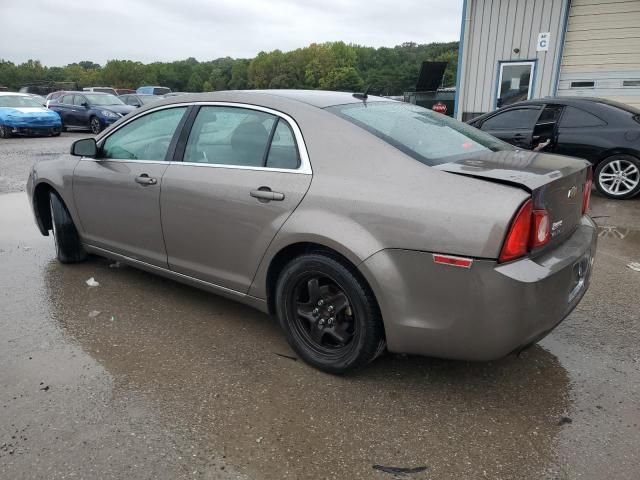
x=484, y=312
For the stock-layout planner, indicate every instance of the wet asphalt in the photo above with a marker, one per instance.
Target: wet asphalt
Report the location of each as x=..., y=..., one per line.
x=144, y=378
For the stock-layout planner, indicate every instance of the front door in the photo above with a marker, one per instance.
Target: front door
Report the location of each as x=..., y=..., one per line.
x=514, y=125
x=514, y=82
x=241, y=178
x=118, y=194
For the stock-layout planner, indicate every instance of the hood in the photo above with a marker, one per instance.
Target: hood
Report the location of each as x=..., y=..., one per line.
x=122, y=109
x=531, y=170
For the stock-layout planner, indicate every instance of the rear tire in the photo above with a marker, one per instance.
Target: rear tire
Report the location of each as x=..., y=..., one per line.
x=5, y=132
x=95, y=125
x=65, y=235
x=618, y=177
x=328, y=314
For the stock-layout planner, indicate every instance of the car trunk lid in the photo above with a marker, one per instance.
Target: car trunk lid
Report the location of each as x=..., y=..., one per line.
x=555, y=182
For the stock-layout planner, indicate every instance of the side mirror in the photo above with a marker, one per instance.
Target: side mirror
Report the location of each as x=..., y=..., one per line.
x=85, y=104
x=85, y=147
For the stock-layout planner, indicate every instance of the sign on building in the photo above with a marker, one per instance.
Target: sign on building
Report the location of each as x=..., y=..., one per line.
x=544, y=38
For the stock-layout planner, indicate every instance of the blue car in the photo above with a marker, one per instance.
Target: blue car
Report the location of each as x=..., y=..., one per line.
x=89, y=110
x=22, y=115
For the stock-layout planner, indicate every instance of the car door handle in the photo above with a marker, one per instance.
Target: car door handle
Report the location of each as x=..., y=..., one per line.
x=145, y=180
x=519, y=135
x=265, y=194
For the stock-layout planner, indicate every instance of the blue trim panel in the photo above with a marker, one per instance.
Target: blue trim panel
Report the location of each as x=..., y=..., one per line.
x=565, y=23
x=533, y=82
x=460, y=51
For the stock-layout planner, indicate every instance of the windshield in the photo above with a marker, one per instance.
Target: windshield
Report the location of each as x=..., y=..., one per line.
x=423, y=134
x=17, y=101
x=103, y=99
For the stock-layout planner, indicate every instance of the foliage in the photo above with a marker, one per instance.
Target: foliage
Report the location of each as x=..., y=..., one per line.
x=334, y=66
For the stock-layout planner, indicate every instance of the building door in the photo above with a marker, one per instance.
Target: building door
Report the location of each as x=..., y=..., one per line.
x=515, y=82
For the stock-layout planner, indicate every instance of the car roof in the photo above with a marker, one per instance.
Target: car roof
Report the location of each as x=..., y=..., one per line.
x=4, y=94
x=316, y=98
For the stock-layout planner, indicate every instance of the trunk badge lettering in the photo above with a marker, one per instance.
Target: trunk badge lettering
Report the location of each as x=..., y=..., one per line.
x=556, y=227
x=572, y=192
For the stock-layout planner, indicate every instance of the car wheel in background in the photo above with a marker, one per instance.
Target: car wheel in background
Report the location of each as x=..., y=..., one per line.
x=5, y=132
x=65, y=236
x=95, y=125
x=329, y=314
x=618, y=176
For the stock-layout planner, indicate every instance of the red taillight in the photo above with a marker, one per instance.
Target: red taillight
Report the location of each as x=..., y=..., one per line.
x=541, y=233
x=586, y=192
x=517, y=242
x=529, y=229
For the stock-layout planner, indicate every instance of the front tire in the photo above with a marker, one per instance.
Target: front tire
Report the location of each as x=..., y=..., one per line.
x=618, y=177
x=5, y=132
x=95, y=125
x=65, y=235
x=328, y=314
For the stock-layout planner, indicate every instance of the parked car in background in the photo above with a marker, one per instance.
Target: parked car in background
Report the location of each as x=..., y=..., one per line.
x=136, y=100
x=358, y=221
x=124, y=91
x=604, y=132
x=38, y=98
x=20, y=114
x=151, y=90
x=87, y=110
x=174, y=94
x=110, y=90
x=46, y=87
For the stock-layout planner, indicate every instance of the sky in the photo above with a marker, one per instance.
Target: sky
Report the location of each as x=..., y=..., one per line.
x=59, y=32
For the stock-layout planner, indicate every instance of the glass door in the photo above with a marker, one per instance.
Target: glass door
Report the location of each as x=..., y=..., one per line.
x=514, y=82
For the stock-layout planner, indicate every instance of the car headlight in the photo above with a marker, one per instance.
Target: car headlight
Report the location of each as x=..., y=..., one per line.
x=108, y=114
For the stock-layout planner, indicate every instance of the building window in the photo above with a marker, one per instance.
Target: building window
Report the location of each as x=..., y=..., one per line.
x=583, y=84
x=515, y=82
x=631, y=83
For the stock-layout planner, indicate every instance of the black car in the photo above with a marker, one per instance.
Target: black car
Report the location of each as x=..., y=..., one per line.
x=604, y=132
x=137, y=100
x=94, y=111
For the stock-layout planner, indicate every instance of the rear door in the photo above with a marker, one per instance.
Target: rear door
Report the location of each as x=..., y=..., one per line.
x=583, y=134
x=64, y=107
x=514, y=125
x=80, y=111
x=118, y=194
x=244, y=171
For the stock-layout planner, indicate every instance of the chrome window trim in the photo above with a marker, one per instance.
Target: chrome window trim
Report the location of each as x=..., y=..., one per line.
x=305, y=163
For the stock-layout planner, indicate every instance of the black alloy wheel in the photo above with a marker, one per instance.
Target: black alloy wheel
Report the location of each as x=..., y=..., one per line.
x=328, y=314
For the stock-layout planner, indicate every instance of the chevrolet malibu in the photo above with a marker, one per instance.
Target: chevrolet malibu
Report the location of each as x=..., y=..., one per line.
x=361, y=223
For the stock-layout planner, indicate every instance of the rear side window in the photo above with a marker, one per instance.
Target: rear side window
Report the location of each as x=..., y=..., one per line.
x=230, y=136
x=67, y=100
x=423, y=134
x=283, y=152
x=576, y=118
x=513, y=119
x=145, y=138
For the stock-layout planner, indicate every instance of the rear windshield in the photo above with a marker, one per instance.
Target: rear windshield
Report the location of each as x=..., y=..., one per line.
x=425, y=135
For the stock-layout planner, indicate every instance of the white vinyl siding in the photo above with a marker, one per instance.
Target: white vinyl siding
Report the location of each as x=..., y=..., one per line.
x=493, y=29
x=602, y=45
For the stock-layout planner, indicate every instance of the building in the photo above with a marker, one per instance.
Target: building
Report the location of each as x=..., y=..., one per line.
x=513, y=50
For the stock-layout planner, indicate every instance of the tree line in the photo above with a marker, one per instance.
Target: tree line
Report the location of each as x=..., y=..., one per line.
x=329, y=66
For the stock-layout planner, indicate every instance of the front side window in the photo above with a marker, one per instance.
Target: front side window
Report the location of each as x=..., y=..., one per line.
x=145, y=138
x=421, y=133
x=78, y=100
x=229, y=136
x=515, y=119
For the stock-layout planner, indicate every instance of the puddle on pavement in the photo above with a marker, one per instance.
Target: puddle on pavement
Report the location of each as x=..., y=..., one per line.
x=218, y=370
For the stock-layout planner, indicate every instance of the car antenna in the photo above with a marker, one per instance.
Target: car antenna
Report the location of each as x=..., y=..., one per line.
x=363, y=95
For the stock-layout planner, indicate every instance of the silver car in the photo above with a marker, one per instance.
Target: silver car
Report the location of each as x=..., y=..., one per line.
x=361, y=223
